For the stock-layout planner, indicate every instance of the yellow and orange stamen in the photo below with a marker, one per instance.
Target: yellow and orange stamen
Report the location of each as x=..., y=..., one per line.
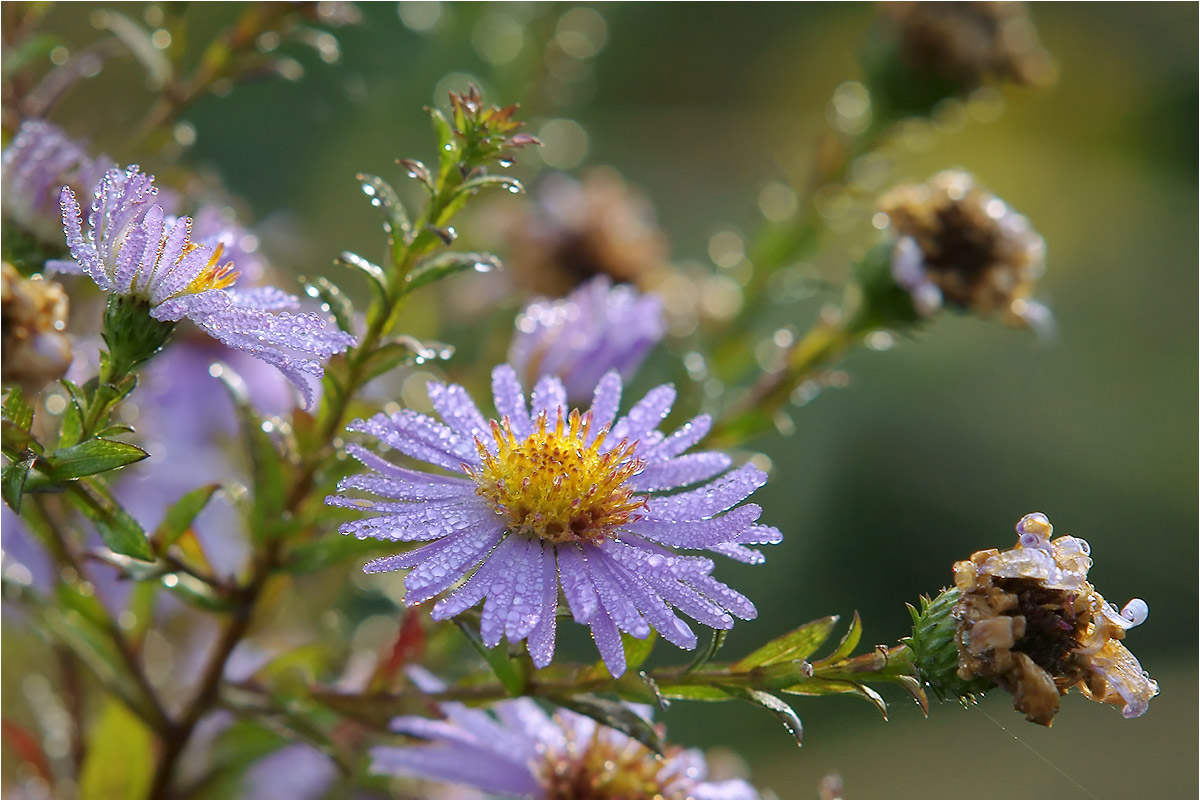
x=554, y=485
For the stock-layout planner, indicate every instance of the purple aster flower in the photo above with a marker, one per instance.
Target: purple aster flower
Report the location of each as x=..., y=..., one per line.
x=36, y=164
x=579, y=338
x=133, y=250
x=544, y=498
x=519, y=750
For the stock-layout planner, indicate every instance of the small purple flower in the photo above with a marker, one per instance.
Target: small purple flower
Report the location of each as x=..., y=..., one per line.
x=579, y=338
x=545, y=498
x=519, y=750
x=132, y=249
x=36, y=164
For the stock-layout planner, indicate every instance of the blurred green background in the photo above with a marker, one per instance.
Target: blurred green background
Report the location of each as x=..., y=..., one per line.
x=936, y=447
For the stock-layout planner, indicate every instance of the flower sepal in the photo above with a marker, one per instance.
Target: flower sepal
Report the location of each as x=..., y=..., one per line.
x=131, y=334
x=934, y=649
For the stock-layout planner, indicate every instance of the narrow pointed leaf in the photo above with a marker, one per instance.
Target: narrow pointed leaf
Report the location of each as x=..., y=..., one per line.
x=17, y=410
x=92, y=457
x=796, y=644
x=447, y=264
x=334, y=300
x=509, y=673
x=180, y=516
x=12, y=482
x=710, y=651
x=384, y=197
x=616, y=715
x=374, y=273
x=120, y=532
x=847, y=645
x=777, y=706
x=636, y=651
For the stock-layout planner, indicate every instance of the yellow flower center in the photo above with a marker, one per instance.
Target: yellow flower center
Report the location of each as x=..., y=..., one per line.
x=554, y=485
x=214, y=276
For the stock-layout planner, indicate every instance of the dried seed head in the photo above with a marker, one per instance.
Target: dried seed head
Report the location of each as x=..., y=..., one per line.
x=958, y=243
x=36, y=348
x=971, y=44
x=1028, y=619
x=581, y=229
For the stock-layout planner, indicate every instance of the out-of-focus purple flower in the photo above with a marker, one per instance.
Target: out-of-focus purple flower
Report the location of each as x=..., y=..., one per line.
x=36, y=164
x=596, y=328
x=214, y=224
x=549, y=497
x=294, y=771
x=519, y=750
x=132, y=249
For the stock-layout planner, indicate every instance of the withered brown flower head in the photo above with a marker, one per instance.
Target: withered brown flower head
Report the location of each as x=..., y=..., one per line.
x=1029, y=620
x=971, y=44
x=36, y=349
x=581, y=229
x=958, y=243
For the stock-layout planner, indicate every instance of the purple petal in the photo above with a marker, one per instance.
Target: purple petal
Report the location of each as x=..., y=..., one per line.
x=548, y=396
x=478, y=769
x=479, y=585
x=456, y=408
x=622, y=611
x=576, y=583
x=703, y=502
x=646, y=414
x=606, y=400
x=525, y=610
x=683, y=438
x=510, y=400
x=541, y=639
x=697, y=533
x=440, y=571
x=608, y=642
x=680, y=471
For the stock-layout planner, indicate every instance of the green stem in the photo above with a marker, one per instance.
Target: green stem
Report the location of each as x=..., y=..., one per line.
x=824, y=343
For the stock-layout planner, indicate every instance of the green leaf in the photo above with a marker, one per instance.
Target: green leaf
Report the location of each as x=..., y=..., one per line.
x=483, y=181
x=447, y=264
x=710, y=652
x=17, y=410
x=819, y=687
x=847, y=645
x=508, y=671
x=404, y=350
x=71, y=430
x=447, y=148
x=778, y=707
x=266, y=462
x=197, y=593
x=799, y=643
x=119, y=761
x=386, y=200
x=92, y=457
x=120, y=532
x=693, y=692
x=416, y=169
x=136, y=38
x=613, y=714
x=374, y=273
x=327, y=550
x=636, y=651
x=179, y=517
x=12, y=482
x=17, y=440
x=334, y=299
